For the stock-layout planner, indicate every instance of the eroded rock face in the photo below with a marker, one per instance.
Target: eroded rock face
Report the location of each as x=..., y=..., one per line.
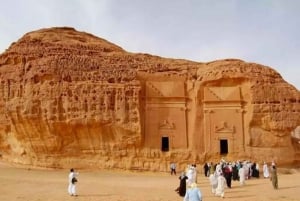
x=70, y=99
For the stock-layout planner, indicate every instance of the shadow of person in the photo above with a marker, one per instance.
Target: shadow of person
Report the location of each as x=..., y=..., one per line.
x=94, y=195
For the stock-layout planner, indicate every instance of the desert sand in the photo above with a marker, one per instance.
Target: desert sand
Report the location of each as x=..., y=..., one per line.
x=31, y=184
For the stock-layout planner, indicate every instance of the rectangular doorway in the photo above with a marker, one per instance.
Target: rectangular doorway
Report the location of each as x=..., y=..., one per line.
x=165, y=144
x=223, y=147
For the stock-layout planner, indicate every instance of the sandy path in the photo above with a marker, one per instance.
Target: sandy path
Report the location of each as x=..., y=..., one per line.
x=18, y=184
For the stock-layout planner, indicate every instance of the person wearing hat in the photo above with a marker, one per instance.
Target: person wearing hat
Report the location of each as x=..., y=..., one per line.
x=193, y=193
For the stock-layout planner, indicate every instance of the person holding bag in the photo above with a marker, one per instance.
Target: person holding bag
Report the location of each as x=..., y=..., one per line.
x=72, y=182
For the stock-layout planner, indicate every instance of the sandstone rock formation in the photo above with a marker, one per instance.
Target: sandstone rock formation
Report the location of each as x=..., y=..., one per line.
x=70, y=99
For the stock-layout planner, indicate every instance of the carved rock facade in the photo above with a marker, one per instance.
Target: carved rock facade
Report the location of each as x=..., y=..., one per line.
x=70, y=99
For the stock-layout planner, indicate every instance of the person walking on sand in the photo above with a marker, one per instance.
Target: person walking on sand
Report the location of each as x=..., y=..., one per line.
x=72, y=182
x=193, y=193
x=266, y=170
x=206, y=169
x=274, y=177
x=220, y=190
x=227, y=172
x=173, y=168
x=213, y=180
x=242, y=175
x=191, y=175
x=182, y=185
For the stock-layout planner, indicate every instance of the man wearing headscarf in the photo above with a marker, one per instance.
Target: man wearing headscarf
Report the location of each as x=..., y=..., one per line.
x=72, y=182
x=191, y=173
x=274, y=177
x=242, y=175
x=220, y=190
x=266, y=170
x=193, y=193
x=213, y=180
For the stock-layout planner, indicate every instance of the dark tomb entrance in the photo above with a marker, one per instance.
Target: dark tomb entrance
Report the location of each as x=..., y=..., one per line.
x=223, y=147
x=165, y=143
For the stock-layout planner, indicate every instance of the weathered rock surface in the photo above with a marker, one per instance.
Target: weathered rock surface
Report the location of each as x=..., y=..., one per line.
x=70, y=99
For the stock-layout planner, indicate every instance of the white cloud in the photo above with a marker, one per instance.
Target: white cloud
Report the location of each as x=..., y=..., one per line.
x=261, y=31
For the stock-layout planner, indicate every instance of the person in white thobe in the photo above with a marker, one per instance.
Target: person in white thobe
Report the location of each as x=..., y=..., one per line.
x=218, y=169
x=194, y=174
x=247, y=170
x=72, y=185
x=213, y=180
x=191, y=174
x=266, y=170
x=242, y=175
x=220, y=190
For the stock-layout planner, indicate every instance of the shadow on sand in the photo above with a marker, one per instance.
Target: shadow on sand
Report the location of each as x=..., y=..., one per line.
x=288, y=187
x=95, y=195
x=240, y=196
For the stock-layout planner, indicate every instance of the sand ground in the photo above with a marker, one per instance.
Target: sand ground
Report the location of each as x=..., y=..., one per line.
x=23, y=183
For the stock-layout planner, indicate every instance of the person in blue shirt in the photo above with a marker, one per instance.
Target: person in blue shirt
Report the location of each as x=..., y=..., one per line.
x=193, y=193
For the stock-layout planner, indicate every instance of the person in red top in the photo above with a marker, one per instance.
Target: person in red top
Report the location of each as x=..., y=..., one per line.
x=228, y=174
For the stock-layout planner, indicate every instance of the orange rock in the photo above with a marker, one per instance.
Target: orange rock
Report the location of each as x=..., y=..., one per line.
x=71, y=99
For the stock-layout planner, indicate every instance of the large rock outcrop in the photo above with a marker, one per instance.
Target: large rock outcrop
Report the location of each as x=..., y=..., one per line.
x=70, y=99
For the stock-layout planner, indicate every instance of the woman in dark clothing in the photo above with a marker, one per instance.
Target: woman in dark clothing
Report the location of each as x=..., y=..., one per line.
x=235, y=173
x=255, y=172
x=182, y=185
x=206, y=168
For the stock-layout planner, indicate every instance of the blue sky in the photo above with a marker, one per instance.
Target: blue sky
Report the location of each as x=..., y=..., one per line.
x=260, y=31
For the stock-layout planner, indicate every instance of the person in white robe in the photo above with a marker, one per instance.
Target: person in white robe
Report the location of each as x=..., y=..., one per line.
x=190, y=175
x=266, y=172
x=218, y=169
x=213, y=180
x=242, y=175
x=72, y=182
x=247, y=170
x=220, y=190
x=194, y=178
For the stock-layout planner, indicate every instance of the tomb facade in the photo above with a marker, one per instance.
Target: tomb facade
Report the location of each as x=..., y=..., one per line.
x=71, y=99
